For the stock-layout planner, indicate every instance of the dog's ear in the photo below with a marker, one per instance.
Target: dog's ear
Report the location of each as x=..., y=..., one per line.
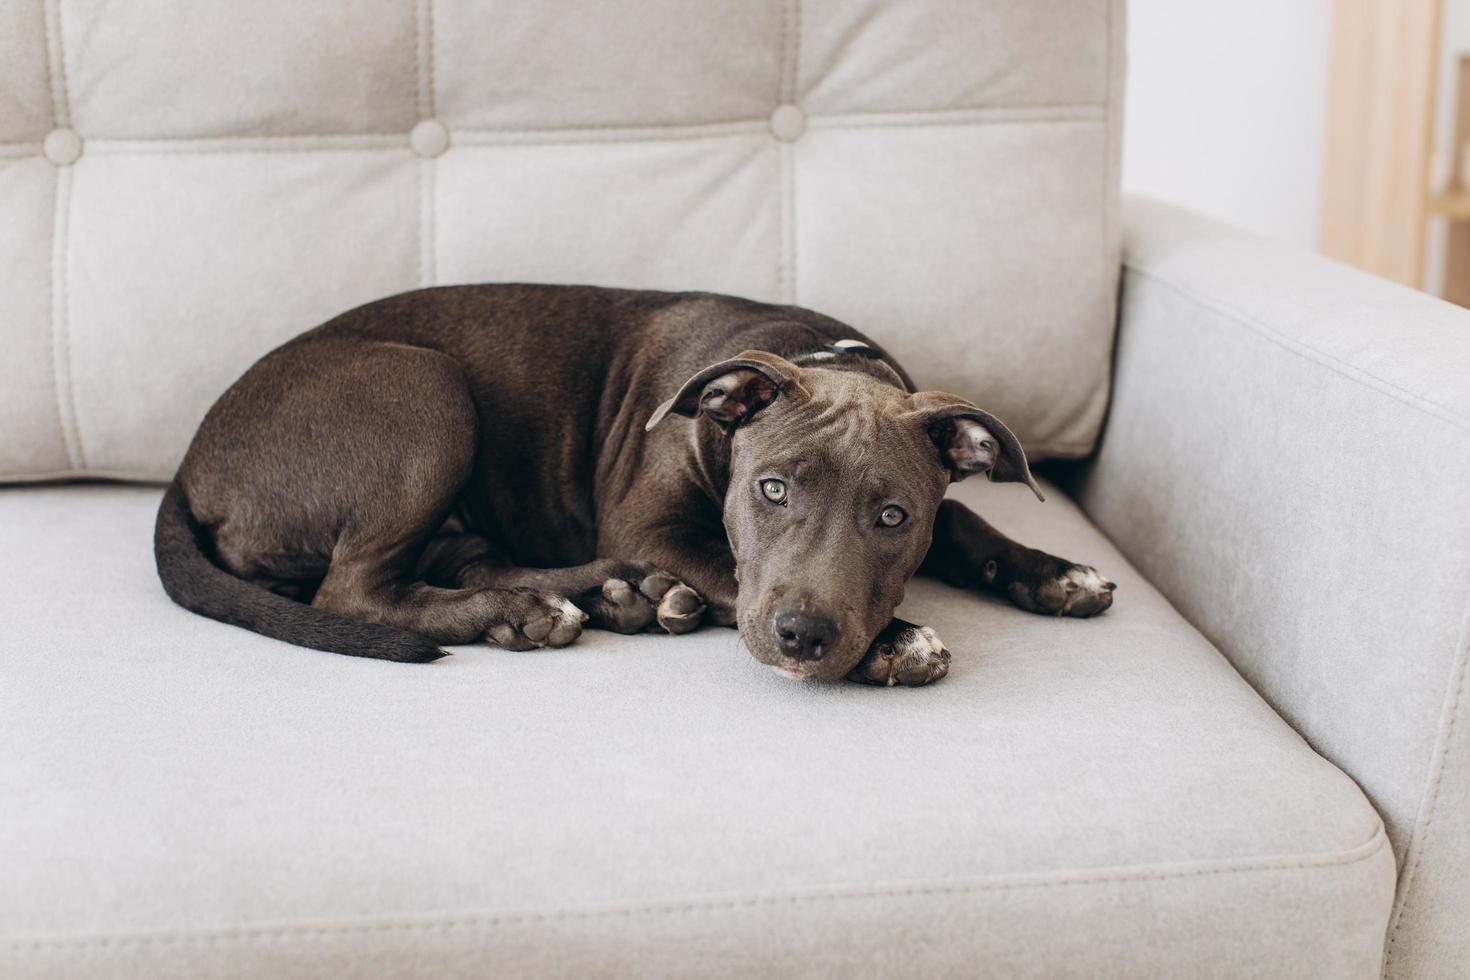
x=732, y=391
x=971, y=440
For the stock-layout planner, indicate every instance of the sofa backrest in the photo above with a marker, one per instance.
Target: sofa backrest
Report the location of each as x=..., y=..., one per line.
x=185, y=186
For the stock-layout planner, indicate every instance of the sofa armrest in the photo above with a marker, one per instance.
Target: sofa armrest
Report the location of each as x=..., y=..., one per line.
x=1287, y=456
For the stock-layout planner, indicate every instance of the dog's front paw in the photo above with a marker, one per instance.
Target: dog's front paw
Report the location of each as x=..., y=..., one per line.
x=532, y=619
x=632, y=605
x=903, y=654
x=679, y=606
x=1065, y=590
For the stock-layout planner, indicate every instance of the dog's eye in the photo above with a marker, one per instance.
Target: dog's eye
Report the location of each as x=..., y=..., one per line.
x=892, y=516
x=774, y=491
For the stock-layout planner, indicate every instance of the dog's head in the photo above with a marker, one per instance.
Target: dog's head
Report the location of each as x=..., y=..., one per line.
x=835, y=478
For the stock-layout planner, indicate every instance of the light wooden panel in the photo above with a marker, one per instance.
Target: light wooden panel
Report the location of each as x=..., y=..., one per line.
x=1455, y=207
x=1380, y=120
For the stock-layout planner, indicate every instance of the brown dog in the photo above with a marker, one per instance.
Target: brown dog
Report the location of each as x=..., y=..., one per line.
x=493, y=462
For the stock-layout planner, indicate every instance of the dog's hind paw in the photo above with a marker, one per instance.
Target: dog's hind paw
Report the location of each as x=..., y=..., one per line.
x=1070, y=590
x=656, y=599
x=903, y=654
x=537, y=619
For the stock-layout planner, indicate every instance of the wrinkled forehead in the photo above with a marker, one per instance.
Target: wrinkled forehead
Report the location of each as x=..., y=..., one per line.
x=850, y=428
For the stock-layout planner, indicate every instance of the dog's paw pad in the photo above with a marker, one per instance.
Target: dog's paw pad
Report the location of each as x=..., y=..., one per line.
x=656, y=600
x=677, y=607
x=624, y=608
x=680, y=609
x=566, y=622
x=911, y=656
x=551, y=621
x=654, y=586
x=1080, y=590
x=509, y=637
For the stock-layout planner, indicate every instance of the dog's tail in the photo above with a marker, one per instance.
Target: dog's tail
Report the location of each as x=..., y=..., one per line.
x=199, y=585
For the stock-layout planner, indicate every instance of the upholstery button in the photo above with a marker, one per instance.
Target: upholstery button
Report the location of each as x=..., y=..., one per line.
x=63, y=146
x=429, y=138
x=788, y=122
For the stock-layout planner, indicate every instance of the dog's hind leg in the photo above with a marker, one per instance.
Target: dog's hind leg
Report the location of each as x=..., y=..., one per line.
x=620, y=595
x=344, y=459
x=515, y=618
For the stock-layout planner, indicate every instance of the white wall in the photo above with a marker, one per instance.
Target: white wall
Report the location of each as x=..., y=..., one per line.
x=1225, y=107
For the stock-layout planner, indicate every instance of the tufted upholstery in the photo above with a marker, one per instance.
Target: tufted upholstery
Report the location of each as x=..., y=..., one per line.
x=186, y=185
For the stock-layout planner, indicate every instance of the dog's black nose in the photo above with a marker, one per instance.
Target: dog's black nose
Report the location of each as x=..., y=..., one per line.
x=803, y=635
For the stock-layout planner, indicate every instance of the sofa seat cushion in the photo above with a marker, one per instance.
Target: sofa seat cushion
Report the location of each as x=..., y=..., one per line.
x=1101, y=798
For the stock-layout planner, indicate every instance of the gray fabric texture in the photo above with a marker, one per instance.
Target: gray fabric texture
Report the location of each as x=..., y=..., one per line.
x=1102, y=798
x=1287, y=456
x=919, y=169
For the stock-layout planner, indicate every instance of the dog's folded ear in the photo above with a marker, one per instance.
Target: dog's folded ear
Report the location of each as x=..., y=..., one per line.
x=732, y=391
x=971, y=440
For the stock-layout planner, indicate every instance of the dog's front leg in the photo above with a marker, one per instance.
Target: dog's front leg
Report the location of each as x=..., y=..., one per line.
x=699, y=555
x=903, y=654
x=623, y=595
x=969, y=553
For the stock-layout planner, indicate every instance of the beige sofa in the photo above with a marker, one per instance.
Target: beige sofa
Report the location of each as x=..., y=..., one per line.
x=1252, y=765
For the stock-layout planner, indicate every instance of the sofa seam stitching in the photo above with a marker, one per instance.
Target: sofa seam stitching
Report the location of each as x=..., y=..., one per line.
x=424, y=108
x=432, y=244
x=65, y=78
x=60, y=97
x=788, y=156
x=1106, y=220
x=795, y=96
x=383, y=140
x=784, y=218
x=1430, y=800
x=1107, y=161
x=433, y=60
x=833, y=123
x=62, y=273
x=423, y=97
x=480, y=138
x=419, y=180
x=64, y=224
x=61, y=354
x=53, y=320
x=783, y=83
x=788, y=232
x=979, y=116
x=1339, y=366
x=1102, y=203
x=796, y=52
x=1326, y=860
x=429, y=223
x=57, y=112
x=227, y=151
x=783, y=215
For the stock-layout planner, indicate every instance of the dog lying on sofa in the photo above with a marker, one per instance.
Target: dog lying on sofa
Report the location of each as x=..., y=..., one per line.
x=497, y=462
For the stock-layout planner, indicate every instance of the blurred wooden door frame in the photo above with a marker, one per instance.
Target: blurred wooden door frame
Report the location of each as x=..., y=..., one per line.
x=1454, y=204
x=1380, y=127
